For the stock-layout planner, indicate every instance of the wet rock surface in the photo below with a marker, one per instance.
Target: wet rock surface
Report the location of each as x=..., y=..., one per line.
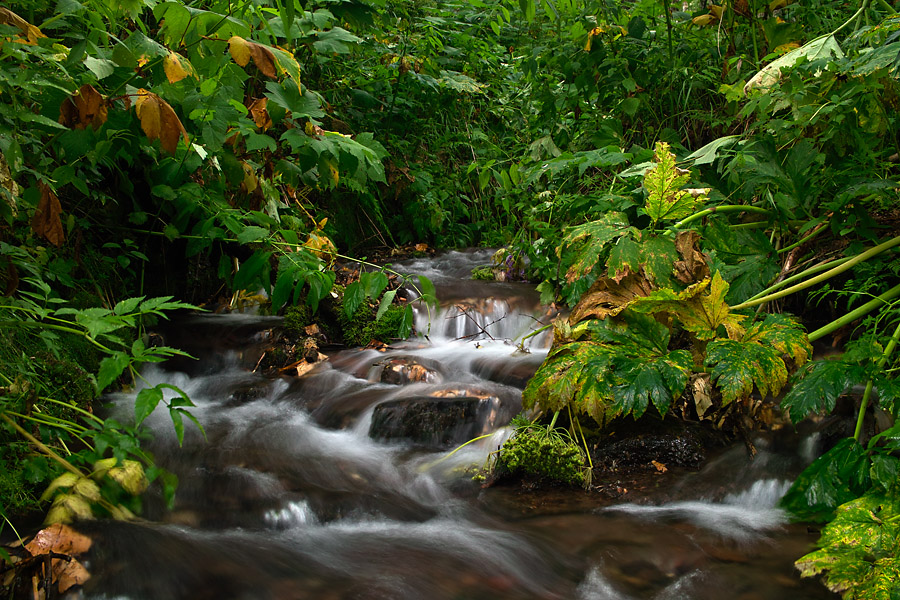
x=428, y=422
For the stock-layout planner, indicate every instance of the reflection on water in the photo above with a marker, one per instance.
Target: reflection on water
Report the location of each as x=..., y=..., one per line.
x=290, y=498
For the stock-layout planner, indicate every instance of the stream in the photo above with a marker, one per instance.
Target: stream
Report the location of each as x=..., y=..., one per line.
x=319, y=487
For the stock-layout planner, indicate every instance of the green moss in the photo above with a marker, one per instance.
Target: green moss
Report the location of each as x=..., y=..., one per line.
x=296, y=319
x=545, y=452
x=485, y=273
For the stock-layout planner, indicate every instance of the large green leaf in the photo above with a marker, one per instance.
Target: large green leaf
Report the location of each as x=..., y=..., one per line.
x=737, y=367
x=860, y=550
x=658, y=379
x=817, y=387
x=701, y=314
x=663, y=183
x=836, y=477
x=589, y=242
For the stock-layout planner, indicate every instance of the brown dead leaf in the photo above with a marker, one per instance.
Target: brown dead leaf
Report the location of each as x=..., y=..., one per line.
x=159, y=121
x=607, y=298
x=692, y=268
x=659, y=466
x=702, y=392
x=46, y=221
x=62, y=539
x=243, y=50
x=85, y=107
x=31, y=32
x=260, y=113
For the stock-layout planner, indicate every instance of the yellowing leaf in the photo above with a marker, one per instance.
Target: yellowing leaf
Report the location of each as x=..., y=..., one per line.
x=86, y=107
x=177, y=67
x=243, y=50
x=250, y=182
x=159, y=121
x=130, y=476
x=705, y=20
x=700, y=314
x=32, y=33
x=785, y=48
x=320, y=244
x=62, y=539
x=663, y=183
x=46, y=221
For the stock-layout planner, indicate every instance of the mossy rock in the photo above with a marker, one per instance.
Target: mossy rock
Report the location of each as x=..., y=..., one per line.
x=543, y=452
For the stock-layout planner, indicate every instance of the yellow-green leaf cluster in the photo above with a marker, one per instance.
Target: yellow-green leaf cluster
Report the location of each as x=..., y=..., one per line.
x=663, y=183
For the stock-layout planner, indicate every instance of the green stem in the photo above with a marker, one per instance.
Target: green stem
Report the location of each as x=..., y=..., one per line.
x=824, y=276
x=799, y=276
x=42, y=447
x=668, y=12
x=73, y=407
x=725, y=209
x=855, y=314
x=35, y=324
x=802, y=241
x=864, y=403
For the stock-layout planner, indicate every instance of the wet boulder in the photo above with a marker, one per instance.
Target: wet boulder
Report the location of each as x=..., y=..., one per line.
x=401, y=370
x=435, y=423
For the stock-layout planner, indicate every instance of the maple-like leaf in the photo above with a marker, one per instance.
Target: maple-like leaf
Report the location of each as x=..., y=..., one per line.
x=46, y=221
x=85, y=107
x=575, y=374
x=177, y=67
x=737, y=367
x=663, y=183
x=159, y=121
x=589, y=242
x=860, y=549
x=242, y=51
x=782, y=333
x=701, y=314
x=817, y=387
x=656, y=378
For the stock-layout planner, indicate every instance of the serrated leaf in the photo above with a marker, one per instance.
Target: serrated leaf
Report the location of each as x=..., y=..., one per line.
x=145, y=403
x=658, y=257
x=127, y=306
x=657, y=379
x=663, y=183
x=624, y=259
x=252, y=233
x=782, y=333
x=590, y=241
x=130, y=476
x=737, y=367
x=576, y=373
x=860, y=550
x=354, y=295
x=701, y=314
x=606, y=298
x=110, y=369
x=429, y=294
x=836, y=477
x=374, y=283
x=817, y=387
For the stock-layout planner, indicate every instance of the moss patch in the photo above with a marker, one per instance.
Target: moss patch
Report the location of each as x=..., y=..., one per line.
x=544, y=452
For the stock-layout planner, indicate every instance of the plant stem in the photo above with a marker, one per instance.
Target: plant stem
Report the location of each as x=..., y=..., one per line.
x=824, y=276
x=726, y=208
x=40, y=446
x=802, y=241
x=799, y=276
x=864, y=403
x=855, y=314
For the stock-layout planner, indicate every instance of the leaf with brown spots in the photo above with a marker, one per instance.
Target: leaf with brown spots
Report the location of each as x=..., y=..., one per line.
x=8, y=17
x=242, y=51
x=692, y=267
x=159, y=121
x=85, y=107
x=259, y=112
x=46, y=222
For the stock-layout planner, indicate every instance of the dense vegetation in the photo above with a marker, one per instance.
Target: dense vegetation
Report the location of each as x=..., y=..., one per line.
x=682, y=176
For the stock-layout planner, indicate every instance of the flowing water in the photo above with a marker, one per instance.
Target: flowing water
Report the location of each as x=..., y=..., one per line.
x=298, y=492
